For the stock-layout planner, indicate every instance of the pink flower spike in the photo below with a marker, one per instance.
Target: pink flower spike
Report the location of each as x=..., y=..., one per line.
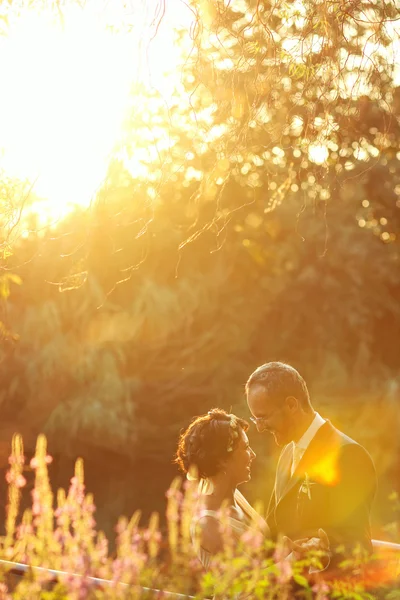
x=20, y=481
x=16, y=460
x=321, y=588
x=253, y=539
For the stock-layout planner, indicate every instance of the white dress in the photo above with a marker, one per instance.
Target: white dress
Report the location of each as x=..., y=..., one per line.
x=239, y=527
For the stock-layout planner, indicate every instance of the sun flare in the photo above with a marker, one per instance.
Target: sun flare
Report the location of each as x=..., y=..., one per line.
x=66, y=85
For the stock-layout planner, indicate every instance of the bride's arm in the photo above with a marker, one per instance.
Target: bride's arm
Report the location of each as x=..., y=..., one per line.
x=255, y=517
x=212, y=537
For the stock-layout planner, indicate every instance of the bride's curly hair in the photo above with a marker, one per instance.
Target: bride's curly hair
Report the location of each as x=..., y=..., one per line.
x=204, y=444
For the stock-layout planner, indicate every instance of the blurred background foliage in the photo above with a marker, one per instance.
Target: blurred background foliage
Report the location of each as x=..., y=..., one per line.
x=252, y=213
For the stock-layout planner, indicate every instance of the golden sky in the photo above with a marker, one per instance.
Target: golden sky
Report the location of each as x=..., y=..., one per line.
x=66, y=82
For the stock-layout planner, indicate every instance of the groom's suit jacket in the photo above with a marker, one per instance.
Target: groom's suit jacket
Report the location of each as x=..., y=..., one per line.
x=333, y=488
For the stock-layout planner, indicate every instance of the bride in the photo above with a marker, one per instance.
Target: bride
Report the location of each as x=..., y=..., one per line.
x=215, y=446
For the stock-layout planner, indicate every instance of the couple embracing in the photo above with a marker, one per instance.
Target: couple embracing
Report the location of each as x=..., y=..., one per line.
x=325, y=481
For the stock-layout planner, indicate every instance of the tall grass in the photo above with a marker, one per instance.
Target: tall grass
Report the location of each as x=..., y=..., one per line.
x=59, y=532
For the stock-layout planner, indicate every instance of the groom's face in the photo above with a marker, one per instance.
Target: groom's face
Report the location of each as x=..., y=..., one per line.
x=272, y=416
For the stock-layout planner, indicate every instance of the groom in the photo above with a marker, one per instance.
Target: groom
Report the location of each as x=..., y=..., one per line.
x=325, y=481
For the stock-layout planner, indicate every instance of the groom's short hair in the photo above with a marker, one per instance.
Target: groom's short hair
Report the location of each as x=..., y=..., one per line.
x=280, y=381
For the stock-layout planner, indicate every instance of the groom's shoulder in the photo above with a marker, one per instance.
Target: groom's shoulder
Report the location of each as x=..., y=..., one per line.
x=343, y=437
x=340, y=436
x=348, y=445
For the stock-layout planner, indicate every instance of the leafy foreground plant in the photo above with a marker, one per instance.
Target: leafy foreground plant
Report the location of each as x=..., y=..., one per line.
x=60, y=534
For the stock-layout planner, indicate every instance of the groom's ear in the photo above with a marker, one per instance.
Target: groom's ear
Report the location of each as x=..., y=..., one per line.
x=292, y=403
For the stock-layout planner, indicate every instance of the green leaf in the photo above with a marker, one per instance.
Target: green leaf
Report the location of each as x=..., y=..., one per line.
x=301, y=580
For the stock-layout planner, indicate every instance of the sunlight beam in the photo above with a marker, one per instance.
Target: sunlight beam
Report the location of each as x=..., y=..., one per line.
x=66, y=87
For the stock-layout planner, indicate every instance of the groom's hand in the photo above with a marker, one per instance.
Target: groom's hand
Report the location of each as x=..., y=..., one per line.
x=302, y=547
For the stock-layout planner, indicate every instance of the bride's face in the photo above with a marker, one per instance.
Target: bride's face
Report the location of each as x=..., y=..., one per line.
x=238, y=466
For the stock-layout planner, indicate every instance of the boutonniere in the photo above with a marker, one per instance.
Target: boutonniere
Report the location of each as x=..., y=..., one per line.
x=305, y=487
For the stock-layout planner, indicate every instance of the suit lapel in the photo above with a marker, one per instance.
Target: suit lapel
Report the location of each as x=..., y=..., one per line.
x=283, y=471
x=291, y=482
x=320, y=449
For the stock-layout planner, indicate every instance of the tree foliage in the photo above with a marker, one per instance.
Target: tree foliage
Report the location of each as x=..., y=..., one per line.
x=250, y=214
